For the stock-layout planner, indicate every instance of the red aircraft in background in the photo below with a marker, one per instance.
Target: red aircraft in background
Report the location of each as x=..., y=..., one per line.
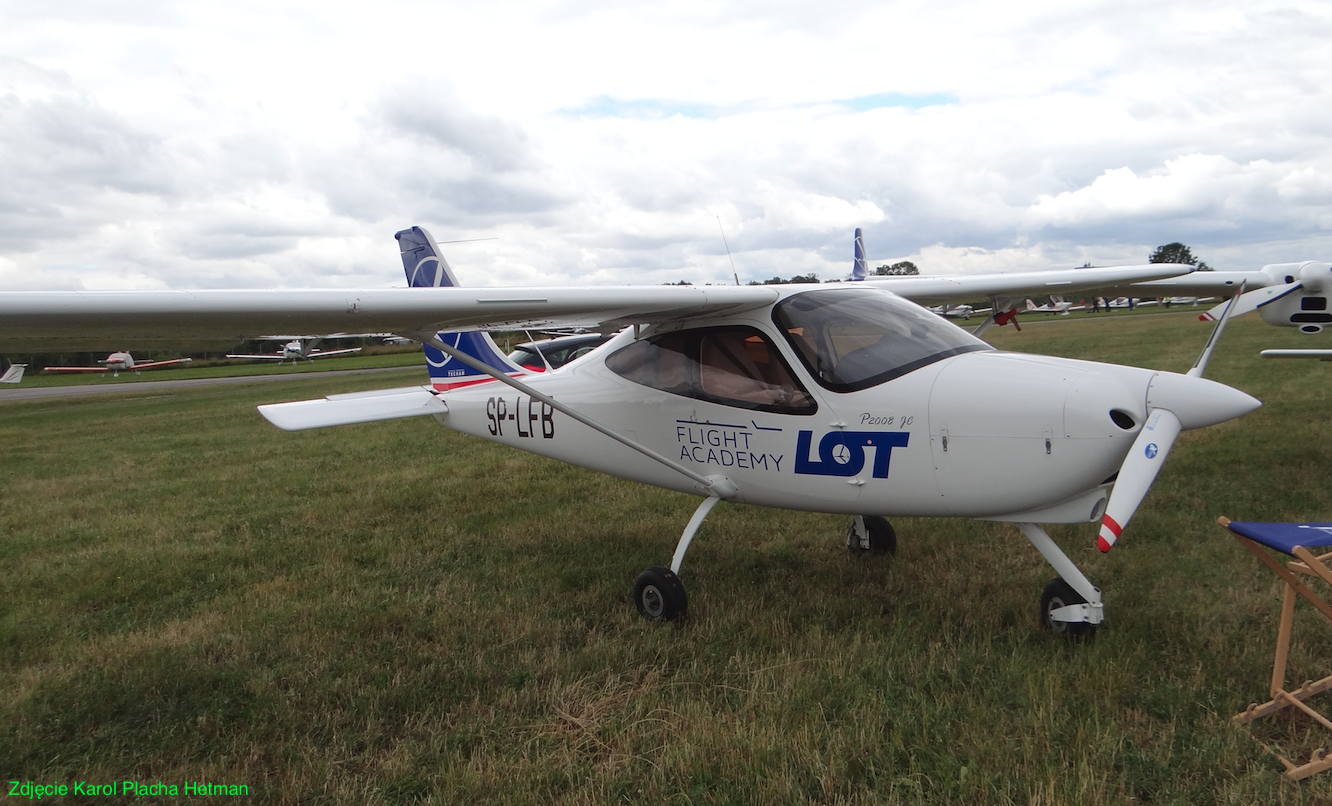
x=116, y=362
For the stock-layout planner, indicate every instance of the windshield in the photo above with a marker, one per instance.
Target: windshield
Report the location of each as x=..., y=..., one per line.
x=855, y=338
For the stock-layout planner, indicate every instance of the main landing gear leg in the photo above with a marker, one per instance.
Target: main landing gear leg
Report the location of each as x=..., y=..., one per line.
x=658, y=592
x=1070, y=605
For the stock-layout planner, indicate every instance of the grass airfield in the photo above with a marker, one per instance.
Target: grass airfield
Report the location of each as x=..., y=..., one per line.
x=395, y=613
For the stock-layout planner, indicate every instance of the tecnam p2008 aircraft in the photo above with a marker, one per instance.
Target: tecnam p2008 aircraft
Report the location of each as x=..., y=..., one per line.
x=848, y=399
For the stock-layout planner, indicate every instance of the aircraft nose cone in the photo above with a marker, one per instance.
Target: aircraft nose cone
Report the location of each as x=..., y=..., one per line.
x=1198, y=402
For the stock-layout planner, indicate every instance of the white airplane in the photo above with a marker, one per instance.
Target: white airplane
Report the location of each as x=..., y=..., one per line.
x=299, y=348
x=963, y=311
x=1287, y=295
x=14, y=374
x=1056, y=305
x=119, y=362
x=849, y=399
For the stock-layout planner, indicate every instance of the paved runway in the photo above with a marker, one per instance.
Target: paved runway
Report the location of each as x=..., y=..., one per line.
x=38, y=392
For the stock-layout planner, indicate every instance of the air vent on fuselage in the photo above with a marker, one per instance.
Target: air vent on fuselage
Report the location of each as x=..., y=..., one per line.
x=1123, y=419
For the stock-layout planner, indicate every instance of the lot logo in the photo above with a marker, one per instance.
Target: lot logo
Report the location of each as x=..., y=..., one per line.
x=842, y=453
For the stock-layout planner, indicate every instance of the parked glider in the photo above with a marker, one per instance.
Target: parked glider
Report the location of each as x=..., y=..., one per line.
x=117, y=363
x=847, y=399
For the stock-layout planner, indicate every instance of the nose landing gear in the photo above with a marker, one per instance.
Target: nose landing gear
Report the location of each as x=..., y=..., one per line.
x=871, y=534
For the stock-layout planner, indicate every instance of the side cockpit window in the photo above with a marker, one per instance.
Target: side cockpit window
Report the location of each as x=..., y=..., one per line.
x=735, y=366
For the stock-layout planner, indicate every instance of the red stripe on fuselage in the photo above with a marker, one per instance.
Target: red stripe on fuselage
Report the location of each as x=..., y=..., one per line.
x=447, y=386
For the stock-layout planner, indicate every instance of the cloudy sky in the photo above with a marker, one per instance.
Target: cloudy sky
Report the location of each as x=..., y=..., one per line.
x=161, y=144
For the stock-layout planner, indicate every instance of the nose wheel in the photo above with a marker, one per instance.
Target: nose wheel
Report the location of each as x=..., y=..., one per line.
x=659, y=595
x=1058, y=595
x=871, y=534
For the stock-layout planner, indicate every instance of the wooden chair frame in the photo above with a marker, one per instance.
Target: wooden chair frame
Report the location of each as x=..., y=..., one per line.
x=1308, y=565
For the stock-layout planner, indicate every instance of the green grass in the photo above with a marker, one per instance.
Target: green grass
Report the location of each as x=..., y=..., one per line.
x=394, y=613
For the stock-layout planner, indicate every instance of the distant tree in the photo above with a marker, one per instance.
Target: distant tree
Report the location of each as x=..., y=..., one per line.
x=805, y=278
x=903, y=267
x=774, y=281
x=1177, y=253
x=682, y=282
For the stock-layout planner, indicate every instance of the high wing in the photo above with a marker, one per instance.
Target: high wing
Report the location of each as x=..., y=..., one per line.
x=1198, y=283
x=936, y=290
x=43, y=321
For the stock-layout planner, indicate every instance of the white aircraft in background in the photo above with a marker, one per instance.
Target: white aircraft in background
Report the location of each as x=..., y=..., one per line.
x=14, y=374
x=119, y=362
x=957, y=311
x=1056, y=305
x=850, y=398
x=1287, y=295
x=298, y=348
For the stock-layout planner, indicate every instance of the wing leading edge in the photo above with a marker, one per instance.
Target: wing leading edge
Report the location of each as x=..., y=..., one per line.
x=38, y=320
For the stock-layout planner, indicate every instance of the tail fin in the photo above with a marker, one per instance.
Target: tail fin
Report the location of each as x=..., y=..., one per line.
x=421, y=259
x=860, y=270
x=1031, y=306
x=14, y=374
x=426, y=268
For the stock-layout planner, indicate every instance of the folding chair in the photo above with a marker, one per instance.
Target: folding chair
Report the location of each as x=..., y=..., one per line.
x=1294, y=539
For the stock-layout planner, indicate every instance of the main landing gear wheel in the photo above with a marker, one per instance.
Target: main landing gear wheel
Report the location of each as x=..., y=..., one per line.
x=1057, y=594
x=871, y=534
x=659, y=595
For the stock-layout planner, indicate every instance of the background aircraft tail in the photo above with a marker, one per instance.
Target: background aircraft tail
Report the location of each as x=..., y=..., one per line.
x=861, y=269
x=14, y=374
x=426, y=268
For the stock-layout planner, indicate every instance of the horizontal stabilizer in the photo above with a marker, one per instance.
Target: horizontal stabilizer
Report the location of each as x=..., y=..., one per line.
x=1251, y=301
x=362, y=407
x=1321, y=355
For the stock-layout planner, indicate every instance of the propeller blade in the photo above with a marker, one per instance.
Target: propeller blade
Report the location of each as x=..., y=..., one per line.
x=1136, y=475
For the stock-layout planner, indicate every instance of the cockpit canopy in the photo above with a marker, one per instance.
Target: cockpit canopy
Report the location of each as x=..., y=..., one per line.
x=852, y=338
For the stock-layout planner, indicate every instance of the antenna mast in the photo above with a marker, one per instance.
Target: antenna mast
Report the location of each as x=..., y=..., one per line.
x=728, y=251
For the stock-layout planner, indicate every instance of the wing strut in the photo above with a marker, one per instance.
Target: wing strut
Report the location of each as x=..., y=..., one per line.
x=715, y=486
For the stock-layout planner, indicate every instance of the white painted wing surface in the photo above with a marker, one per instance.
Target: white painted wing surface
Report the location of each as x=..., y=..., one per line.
x=936, y=290
x=38, y=320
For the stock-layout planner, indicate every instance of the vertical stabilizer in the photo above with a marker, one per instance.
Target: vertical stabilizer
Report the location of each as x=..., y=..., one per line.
x=860, y=270
x=14, y=374
x=425, y=267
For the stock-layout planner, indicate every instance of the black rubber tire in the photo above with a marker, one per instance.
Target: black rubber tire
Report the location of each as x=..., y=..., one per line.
x=882, y=536
x=659, y=595
x=1057, y=594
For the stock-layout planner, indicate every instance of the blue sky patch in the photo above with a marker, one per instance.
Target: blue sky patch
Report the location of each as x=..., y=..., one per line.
x=649, y=108
x=888, y=99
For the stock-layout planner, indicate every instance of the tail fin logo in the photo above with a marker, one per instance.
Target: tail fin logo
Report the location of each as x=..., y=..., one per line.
x=428, y=273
